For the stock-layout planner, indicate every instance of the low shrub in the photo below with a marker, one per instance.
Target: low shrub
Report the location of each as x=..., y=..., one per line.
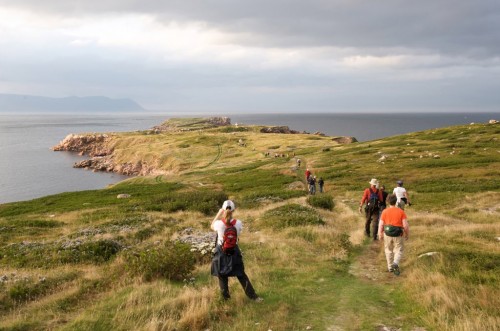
x=144, y=234
x=97, y=252
x=27, y=289
x=291, y=215
x=229, y=129
x=324, y=201
x=269, y=195
x=173, y=261
x=205, y=202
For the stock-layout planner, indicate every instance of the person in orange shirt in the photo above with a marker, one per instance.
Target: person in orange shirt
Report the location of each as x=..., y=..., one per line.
x=372, y=196
x=393, y=227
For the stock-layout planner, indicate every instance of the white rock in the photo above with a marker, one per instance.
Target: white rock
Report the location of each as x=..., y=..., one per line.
x=493, y=121
x=123, y=196
x=428, y=254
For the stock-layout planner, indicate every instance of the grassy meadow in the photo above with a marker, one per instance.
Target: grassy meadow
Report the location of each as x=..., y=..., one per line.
x=89, y=261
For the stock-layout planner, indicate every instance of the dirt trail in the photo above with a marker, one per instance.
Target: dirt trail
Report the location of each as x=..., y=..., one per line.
x=370, y=264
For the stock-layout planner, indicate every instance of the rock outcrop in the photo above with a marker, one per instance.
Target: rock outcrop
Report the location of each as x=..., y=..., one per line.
x=278, y=129
x=345, y=140
x=90, y=144
x=203, y=123
x=96, y=146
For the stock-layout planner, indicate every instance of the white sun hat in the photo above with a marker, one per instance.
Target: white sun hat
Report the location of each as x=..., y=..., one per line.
x=228, y=203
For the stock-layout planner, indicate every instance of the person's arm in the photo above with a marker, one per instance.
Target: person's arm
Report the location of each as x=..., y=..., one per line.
x=381, y=229
x=363, y=199
x=407, y=197
x=217, y=217
x=406, y=226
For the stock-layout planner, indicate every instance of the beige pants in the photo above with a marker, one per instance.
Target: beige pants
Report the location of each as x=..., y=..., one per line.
x=393, y=249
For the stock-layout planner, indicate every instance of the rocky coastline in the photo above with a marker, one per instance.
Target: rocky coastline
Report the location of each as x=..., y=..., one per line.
x=97, y=147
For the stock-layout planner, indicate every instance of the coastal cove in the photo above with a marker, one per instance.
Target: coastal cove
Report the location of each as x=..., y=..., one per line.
x=30, y=169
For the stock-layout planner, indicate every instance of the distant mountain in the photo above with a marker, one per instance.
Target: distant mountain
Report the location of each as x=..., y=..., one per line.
x=29, y=103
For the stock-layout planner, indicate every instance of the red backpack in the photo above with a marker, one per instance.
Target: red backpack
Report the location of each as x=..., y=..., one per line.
x=230, y=239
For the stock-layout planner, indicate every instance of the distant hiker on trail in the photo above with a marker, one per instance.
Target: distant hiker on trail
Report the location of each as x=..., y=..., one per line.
x=402, y=195
x=372, y=197
x=321, y=183
x=312, y=185
x=227, y=260
x=393, y=227
x=308, y=174
x=298, y=162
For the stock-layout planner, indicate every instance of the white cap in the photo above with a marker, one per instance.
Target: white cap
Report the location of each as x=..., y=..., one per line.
x=228, y=203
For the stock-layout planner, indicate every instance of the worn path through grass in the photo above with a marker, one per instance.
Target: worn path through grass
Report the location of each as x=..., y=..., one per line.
x=356, y=296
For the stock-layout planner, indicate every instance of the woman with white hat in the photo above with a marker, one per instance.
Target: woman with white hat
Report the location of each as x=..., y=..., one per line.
x=227, y=261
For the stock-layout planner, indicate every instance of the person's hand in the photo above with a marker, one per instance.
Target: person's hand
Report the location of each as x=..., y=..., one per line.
x=360, y=209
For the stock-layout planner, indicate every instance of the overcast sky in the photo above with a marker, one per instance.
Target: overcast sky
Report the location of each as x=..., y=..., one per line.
x=257, y=56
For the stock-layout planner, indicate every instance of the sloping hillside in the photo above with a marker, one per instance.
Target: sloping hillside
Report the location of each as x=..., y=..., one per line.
x=91, y=261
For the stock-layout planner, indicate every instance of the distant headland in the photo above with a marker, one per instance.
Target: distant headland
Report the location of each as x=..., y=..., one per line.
x=30, y=103
x=132, y=153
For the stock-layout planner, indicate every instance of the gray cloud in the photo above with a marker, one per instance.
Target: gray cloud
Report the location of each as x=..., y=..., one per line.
x=467, y=28
x=450, y=53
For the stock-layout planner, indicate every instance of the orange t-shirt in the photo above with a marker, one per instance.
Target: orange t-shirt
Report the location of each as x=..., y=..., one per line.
x=393, y=216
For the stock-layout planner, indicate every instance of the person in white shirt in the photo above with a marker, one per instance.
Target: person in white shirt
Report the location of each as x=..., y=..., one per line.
x=402, y=195
x=224, y=264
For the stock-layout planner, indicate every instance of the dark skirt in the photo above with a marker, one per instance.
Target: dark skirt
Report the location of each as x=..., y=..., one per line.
x=227, y=265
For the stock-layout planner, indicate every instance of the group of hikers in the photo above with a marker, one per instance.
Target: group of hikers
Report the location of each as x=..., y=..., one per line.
x=387, y=223
x=311, y=183
x=383, y=222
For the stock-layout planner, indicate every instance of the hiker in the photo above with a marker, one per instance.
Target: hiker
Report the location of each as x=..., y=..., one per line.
x=372, y=196
x=312, y=185
x=228, y=261
x=402, y=195
x=393, y=227
x=298, y=161
x=383, y=204
x=321, y=183
x=308, y=174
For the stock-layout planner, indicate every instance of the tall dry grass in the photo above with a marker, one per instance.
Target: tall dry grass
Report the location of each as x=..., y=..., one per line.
x=458, y=284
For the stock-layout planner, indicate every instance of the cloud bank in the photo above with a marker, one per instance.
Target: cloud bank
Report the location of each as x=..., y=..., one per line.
x=240, y=56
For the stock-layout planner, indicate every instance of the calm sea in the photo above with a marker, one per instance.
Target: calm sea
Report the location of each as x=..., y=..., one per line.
x=30, y=169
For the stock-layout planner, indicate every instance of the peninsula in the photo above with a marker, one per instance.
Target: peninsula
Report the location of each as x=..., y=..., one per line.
x=182, y=144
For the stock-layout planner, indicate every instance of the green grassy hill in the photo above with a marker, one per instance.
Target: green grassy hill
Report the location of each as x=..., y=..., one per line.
x=90, y=261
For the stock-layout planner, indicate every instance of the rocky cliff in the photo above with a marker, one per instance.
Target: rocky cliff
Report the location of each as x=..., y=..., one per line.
x=101, y=155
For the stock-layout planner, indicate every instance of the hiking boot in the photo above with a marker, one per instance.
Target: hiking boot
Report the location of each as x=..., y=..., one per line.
x=258, y=299
x=395, y=269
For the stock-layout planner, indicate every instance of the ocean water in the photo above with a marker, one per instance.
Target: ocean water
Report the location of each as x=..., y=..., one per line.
x=30, y=169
